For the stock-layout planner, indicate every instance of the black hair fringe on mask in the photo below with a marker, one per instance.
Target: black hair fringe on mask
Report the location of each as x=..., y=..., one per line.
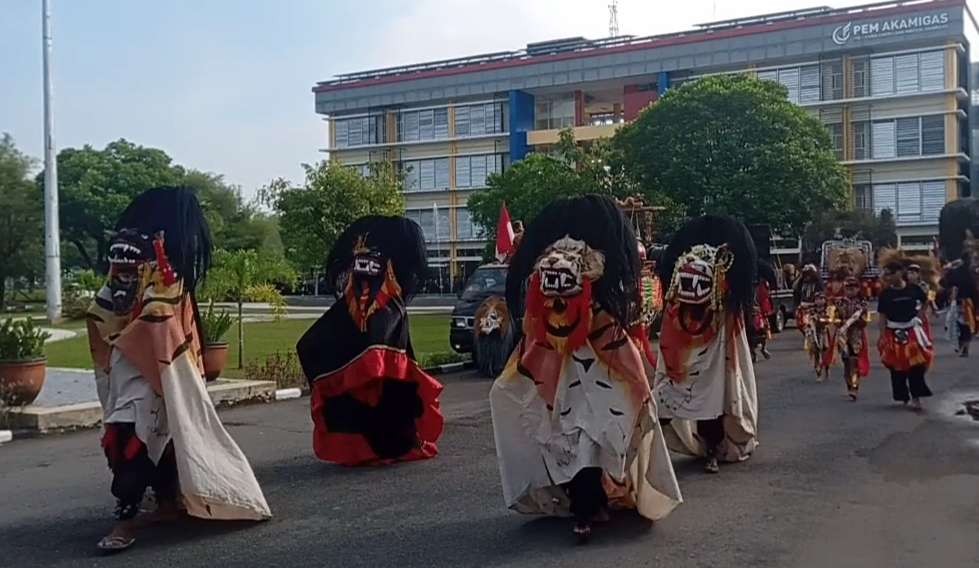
x=717, y=230
x=177, y=212
x=397, y=238
x=599, y=222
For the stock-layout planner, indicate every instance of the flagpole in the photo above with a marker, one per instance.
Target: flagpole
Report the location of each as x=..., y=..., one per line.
x=52, y=233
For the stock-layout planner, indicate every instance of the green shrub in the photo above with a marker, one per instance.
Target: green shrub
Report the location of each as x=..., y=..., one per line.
x=21, y=340
x=429, y=360
x=215, y=324
x=281, y=367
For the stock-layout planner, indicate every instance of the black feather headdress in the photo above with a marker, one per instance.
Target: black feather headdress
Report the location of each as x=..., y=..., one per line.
x=177, y=213
x=715, y=231
x=599, y=222
x=399, y=239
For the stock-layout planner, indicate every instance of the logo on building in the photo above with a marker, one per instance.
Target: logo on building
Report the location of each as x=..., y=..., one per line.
x=877, y=29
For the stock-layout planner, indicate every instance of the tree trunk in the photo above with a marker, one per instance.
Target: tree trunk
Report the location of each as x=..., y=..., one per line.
x=241, y=336
x=3, y=291
x=86, y=258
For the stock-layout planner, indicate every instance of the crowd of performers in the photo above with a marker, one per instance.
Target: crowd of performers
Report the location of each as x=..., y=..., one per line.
x=585, y=409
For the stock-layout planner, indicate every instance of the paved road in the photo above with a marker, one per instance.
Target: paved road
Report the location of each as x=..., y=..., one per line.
x=835, y=484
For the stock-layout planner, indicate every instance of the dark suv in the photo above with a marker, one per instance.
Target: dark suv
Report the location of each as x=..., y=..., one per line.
x=487, y=280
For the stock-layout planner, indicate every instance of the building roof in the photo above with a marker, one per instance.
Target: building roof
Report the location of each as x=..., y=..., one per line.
x=579, y=47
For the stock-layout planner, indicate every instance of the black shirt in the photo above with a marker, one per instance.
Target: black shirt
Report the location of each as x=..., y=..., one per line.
x=901, y=304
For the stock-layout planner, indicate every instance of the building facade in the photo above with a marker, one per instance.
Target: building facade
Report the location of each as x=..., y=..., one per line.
x=891, y=81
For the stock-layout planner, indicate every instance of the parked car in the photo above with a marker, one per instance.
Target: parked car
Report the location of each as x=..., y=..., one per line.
x=487, y=280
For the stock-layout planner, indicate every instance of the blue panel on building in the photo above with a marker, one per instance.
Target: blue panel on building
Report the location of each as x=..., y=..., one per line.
x=663, y=83
x=521, y=120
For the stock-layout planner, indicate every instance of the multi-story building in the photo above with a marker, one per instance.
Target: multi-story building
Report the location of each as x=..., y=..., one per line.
x=891, y=82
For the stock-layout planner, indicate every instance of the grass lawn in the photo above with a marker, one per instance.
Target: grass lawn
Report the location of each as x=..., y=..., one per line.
x=429, y=334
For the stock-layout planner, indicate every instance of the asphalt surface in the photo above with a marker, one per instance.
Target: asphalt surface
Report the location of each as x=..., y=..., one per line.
x=834, y=484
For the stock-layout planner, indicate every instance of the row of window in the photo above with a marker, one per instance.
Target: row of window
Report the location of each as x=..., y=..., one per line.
x=440, y=231
x=892, y=138
x=470, y=172
x=870, y=77
x=911, y=203
x=422, y=125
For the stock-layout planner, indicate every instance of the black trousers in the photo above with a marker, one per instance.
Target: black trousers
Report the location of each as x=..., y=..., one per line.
x=587, y=494
x=133, y=471
x=965, y=334
x=910, y=384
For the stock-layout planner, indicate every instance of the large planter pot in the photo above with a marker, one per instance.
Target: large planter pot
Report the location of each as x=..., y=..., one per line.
x=215, y=360
x=21, y=381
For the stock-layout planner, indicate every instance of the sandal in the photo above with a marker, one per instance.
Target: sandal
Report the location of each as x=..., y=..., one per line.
x=112, y=544
x=582, y=532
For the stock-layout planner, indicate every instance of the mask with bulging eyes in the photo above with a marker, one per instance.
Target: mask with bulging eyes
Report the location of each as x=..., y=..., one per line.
x=559, y=296
x=370, y=282
x=490, y=322
x=130, y=251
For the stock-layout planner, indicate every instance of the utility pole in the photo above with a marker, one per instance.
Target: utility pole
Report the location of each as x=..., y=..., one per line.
x=52, y=233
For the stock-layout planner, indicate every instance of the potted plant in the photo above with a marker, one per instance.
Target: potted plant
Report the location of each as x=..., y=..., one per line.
x=22, y=361
x=215, y=325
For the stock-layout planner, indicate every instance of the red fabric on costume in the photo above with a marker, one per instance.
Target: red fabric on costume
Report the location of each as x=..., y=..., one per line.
x=903, y=357
x=362, y=378
x=764, y=297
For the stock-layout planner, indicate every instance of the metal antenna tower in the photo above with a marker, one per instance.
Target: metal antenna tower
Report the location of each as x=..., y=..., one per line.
x=613, y=19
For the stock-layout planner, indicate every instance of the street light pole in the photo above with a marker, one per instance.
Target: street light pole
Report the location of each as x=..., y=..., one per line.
x=52, y=233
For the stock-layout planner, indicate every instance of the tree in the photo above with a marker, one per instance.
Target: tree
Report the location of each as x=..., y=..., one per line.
x=97, y=185
x=735, y=145
x=571, y=170
x=311, y=217
x=21, y=218
x=247, y=275
x=852, y=224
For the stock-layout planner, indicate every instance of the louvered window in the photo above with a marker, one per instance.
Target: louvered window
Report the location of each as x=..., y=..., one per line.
x=769, y=75
x=885, y=197
x=426, y=125
x=908, y=202
x=932, y=200
x=932, y=135
x=462, y=121
x=906, y=73
x=882, y=76
x=340, y=132
x=442, y=173
x=789, y=78
x=462, y=171
x=883, y=139
x=832, y=80
x=441, y=129
x=932, y=76
x=861, y=84
x=861, y=140
x=908, y=137
x=809, y=87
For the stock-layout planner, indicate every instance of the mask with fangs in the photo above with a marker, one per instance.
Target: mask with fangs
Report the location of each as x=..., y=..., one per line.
x=130, y=251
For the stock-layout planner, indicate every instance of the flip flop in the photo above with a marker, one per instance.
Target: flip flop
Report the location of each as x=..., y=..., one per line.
x=112, y=544
x=582, y=532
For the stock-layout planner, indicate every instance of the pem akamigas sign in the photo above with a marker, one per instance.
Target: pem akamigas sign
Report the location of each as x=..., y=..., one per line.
x=875, y=29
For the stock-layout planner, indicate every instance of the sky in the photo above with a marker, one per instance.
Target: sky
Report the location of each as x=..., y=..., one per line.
x=225, y=85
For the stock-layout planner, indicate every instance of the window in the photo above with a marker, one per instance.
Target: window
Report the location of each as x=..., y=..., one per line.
x=883, y=139
x=479, y=120
x=905, y=137
x=863, y=196
x=911, y=202
x=423, y=125
x=789, y=78
x=809, y=87
x=932, y=135
x=860, y=82
x=360, y=131
x=466, y=229
x=836, y=135
x=426, y=220
x=363, y=170
x=426, y=175
x=473, y=171
x=832, y=77
x=553, y=113
x=861, y=140
x=908, y=73
x=908, y=137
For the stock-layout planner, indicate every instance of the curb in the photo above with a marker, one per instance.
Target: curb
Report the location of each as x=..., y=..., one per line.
x=288, y=394
x=448, y=368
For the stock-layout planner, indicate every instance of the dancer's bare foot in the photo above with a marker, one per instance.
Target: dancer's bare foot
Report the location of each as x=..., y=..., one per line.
x=916, y=405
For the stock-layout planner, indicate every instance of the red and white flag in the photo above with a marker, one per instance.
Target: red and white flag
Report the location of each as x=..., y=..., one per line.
x=504, y=235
